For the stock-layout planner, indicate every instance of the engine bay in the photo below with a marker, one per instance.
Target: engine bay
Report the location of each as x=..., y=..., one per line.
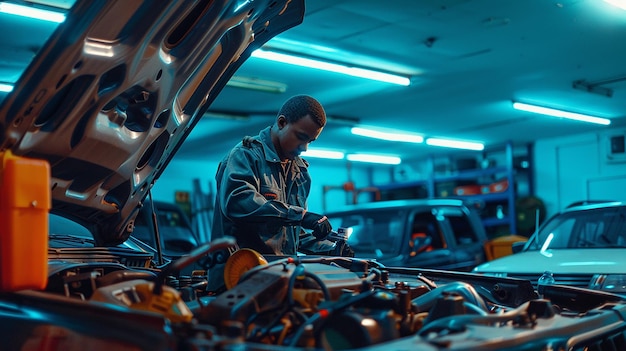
x=321, y=303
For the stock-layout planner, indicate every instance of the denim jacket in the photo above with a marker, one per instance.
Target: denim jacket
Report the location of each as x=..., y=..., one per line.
x=260, y=203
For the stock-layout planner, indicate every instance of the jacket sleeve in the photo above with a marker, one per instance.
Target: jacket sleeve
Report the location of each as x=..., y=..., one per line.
x=240, y=191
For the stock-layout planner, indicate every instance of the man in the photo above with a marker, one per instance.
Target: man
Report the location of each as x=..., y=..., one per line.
x=263, y=185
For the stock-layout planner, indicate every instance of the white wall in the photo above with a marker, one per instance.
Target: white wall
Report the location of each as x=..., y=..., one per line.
x=329, y=178
x=575, y=168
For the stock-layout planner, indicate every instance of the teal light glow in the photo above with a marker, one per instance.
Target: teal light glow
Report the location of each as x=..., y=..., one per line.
x=388, y=160
x=560, y=113
x=331, y=67
x=31, y=12
x=617, y=3
x=329, y=154
x=388, y=135
x=6, y=88
x=456, y=144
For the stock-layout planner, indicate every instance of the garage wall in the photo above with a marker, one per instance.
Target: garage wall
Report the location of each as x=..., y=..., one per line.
x=566, y=170
x=576, y=168
x=180, y=174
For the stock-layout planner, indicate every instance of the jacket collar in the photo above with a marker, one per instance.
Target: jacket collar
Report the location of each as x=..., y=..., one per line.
x=265, y=136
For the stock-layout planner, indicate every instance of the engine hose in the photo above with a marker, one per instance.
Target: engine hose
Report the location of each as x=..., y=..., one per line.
x=298, y=271
x=459, y=322
x=324, y=313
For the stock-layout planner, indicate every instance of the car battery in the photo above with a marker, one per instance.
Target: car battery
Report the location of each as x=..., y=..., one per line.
x=24, y=206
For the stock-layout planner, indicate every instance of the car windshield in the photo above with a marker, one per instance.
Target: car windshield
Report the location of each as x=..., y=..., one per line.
x=176, y=233
x=592, y=228
x=375, y=234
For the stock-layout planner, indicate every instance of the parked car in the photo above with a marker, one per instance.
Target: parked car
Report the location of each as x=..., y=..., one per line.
x=583, y=246
x=425, y=233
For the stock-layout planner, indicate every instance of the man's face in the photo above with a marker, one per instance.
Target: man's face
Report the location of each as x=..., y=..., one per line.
x=294, y=137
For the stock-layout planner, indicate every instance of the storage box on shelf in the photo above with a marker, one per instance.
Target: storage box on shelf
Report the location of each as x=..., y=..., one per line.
x=491, y=190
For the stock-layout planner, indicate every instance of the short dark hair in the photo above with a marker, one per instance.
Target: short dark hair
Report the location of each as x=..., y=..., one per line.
x=299, y=106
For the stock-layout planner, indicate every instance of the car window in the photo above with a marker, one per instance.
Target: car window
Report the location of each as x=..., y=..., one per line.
x=170, y=218
x=176, y=233
x=601, y=227
x=464, y=232
x=427, y=224
x=375, y=233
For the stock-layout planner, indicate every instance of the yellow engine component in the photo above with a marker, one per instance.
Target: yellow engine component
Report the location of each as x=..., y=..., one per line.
x=239, y=263
x=308, y=298
x=138, y=294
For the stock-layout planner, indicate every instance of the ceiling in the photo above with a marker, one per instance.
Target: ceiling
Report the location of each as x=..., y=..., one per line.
x=467, y=59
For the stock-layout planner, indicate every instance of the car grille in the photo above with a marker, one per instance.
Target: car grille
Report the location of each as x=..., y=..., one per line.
x=575, y=280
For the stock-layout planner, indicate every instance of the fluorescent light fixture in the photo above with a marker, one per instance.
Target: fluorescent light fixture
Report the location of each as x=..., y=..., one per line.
x=31, y=12
x=456, y=144
x=257, y=84
x=332, y=67
x=560, y=113
x=388, y=160
x=299, y=46
x=333, y=155
x=6, y=88
x=388, y=135
x=617, y=3
x=227, y=116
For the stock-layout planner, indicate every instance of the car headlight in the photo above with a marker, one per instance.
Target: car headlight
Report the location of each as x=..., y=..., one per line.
x=613, y=283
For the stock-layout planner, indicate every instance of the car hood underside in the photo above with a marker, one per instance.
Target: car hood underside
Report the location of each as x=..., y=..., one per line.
x=116, y=90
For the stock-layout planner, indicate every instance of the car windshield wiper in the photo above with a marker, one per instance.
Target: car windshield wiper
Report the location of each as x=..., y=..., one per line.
x=71, y=238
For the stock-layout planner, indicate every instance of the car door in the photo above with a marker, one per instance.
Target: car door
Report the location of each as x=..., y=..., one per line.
x=426, y=245
x=465, y=242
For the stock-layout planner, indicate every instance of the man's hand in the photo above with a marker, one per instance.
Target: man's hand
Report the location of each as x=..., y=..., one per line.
x=319, y=224
x=342, y=249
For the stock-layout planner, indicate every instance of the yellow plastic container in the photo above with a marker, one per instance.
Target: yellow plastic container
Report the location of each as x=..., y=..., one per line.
x=502, y=246
x=24, y=206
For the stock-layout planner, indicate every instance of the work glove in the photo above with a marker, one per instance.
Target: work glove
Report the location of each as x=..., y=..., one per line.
x=342, y=249
x=319, y=224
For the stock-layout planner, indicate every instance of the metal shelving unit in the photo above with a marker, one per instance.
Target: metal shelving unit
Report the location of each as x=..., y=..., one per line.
x=504, y=201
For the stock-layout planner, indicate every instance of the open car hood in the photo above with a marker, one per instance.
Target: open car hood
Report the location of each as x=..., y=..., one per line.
x=116, y=90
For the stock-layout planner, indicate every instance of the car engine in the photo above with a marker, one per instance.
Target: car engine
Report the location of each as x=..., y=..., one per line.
x=321, y=303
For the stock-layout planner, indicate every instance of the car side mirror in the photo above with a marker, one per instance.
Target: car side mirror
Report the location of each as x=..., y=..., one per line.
x=517, y=246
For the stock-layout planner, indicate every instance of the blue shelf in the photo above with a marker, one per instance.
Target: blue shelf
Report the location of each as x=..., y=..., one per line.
x=484, y=197
x=470, y=174
x=506, y=197
x=402, y=185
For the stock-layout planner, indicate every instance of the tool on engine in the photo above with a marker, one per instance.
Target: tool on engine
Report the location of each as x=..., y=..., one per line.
x=340, y=234
x=340, y=238
x=239, y=263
